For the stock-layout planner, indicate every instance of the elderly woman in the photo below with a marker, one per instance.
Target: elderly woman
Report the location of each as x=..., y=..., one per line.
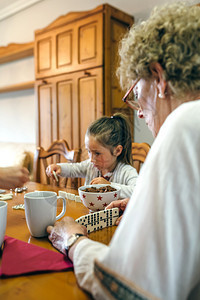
x=155, y=251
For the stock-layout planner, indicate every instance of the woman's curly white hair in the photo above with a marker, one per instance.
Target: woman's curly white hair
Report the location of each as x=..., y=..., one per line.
x=171, y=37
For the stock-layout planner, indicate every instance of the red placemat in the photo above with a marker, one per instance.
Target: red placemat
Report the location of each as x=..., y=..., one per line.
x=20, y=258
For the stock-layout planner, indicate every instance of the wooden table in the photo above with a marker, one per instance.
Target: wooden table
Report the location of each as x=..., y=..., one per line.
x=55, y=285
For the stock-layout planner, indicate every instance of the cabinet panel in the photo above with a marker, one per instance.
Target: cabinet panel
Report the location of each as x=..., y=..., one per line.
x=89, y=39
x=90, y=103
x=64, y=111
x=87, y=98
x=44, y=57
x=45, y=115
x=64, y=49
x=88, y=42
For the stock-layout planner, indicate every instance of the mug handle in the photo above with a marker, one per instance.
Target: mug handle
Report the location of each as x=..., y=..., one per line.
x=63, y=209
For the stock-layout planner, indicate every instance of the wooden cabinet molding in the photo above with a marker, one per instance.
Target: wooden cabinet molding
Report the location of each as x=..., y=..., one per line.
x=13, y=52
x=75, y=16
x=70, y=18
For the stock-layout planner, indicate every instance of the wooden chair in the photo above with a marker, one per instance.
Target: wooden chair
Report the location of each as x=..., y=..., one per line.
x=139, y=154
x=59, y=151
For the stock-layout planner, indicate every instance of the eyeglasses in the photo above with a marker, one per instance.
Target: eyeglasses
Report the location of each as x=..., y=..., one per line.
x=131, y=101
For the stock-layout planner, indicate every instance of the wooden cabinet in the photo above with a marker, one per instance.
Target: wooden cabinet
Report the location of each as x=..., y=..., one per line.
x=75, y=65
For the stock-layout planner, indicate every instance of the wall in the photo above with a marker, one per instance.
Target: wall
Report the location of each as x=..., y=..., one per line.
x=17, y=109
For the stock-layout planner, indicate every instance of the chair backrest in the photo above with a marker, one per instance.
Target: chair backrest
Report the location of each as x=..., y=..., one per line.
x=139, y=154
x=59, y=151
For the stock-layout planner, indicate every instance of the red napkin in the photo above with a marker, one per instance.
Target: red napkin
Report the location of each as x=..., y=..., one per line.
x=22, y=258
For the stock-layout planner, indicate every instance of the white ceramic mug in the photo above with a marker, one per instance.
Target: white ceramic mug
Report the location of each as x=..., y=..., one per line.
x=3, y=220
x=41, y=210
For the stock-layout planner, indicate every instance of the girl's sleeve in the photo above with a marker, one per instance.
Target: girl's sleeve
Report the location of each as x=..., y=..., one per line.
x=74, y=169
x=125, y=178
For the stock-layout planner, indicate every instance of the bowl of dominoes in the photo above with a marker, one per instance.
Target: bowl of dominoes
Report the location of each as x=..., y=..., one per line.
x=97, y=196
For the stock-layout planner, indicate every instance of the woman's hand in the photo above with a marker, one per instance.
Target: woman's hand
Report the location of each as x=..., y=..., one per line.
x=99, y=180
x=121, y=204
x=51, y=168
x=60, y=232
x=12, y=177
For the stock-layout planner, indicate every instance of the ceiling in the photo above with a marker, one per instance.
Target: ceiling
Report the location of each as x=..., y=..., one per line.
x=9, y=7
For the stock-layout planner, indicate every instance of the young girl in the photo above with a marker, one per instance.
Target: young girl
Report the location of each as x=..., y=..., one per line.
x=109, y=144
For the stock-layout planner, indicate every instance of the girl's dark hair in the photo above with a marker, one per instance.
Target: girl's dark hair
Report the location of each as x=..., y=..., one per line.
x=111, y=132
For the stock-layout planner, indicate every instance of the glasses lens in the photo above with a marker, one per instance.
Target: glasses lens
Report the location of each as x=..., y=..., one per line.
x=132, y=100
x=133, y=104
x=131, y=97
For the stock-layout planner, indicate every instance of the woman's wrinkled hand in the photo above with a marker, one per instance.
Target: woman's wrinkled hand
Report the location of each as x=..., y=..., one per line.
x=60, y=232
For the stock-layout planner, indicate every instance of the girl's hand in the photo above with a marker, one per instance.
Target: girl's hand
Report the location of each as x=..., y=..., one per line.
x=51, y=168
x=121, y=204
x=99, y=180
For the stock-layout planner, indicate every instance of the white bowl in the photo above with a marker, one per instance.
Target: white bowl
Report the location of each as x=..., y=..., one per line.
x=97, y=201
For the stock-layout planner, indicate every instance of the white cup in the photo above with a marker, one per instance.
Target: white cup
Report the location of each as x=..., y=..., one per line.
x=41, y=210
x=3, y=220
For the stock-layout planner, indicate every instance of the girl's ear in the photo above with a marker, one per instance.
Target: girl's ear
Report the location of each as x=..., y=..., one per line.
x=158, y=73
x=118, y=150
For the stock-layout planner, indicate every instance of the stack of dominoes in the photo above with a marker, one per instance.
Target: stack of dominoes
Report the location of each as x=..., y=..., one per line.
x=6, y=197
x=96, y=220
x=99, y=220
x=69, y=196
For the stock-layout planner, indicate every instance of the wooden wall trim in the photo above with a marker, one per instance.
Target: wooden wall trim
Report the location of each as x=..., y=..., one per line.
x=17, y=87
x=16, y=51
x=13, y=52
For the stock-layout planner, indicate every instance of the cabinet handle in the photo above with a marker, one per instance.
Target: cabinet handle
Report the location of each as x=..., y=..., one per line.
x=87, y=73
x=44, y=81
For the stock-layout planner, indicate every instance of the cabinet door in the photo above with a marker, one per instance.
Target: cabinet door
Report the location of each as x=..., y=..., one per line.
x=56, y=102
x=67, y=104
x=54, y=51
x=90, y=42
x=45, y=122
x=90, y=99
x=68, y=48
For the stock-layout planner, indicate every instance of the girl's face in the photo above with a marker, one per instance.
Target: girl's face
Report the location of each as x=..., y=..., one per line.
x=100, y=156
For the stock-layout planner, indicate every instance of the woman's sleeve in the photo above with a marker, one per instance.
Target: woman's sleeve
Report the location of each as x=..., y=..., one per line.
x=85, y=253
